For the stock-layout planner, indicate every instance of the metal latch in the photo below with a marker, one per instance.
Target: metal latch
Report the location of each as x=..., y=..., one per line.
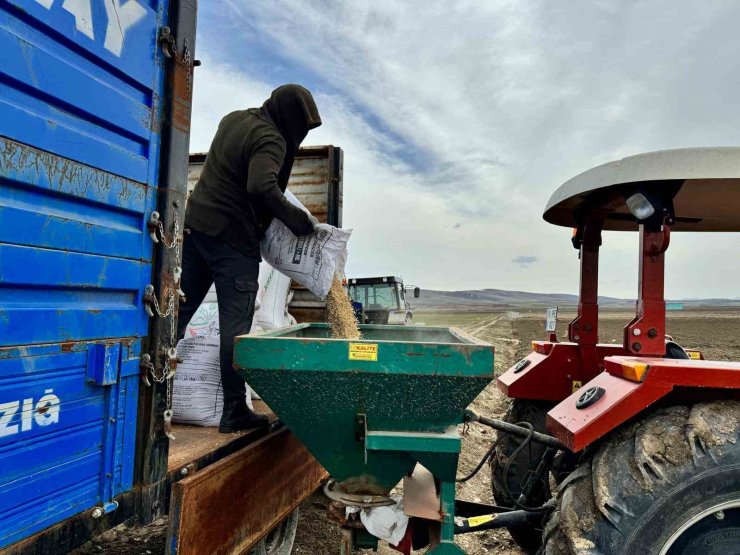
x=149, y=300
x=153, y=225
x=177, y=278
x=171, y=361
x=167, y=42
x=146, y=368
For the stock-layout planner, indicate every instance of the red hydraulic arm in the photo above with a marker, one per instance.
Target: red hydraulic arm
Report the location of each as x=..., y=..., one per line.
x=584, y=329
x=554, y=370
x=645, y=334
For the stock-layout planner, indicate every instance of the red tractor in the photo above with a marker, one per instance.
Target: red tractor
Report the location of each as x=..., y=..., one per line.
x=651, y=431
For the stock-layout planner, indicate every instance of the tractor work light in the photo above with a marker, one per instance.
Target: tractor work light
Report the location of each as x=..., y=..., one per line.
x=640, y=206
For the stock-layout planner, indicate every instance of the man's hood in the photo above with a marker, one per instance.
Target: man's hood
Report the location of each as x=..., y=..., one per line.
x=294, y=111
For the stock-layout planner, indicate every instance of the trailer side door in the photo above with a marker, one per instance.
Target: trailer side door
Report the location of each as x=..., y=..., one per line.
x=81, y=85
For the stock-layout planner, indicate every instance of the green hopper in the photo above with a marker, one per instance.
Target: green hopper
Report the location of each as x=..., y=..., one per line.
x=370, y=410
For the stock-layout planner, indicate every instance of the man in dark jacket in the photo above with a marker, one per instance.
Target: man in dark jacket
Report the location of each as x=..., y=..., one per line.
x=239, y=191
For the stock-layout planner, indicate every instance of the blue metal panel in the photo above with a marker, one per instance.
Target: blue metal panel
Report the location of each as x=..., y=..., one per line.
x=103, y=363
x=80, y=89
x=65, y=444
x=81, y=85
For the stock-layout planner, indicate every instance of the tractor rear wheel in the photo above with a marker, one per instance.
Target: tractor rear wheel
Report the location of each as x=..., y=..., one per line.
x=507, y=486
x=669, y=484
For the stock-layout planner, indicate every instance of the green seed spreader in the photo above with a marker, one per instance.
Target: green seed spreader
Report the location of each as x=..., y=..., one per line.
x=370, y=410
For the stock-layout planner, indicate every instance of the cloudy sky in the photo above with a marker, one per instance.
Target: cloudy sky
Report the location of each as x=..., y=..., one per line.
x=459, y=119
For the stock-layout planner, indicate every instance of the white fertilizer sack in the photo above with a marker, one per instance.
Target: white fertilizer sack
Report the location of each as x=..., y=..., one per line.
x=274, y=288
x=312, y=260
x=197, y=395
x=205, y=319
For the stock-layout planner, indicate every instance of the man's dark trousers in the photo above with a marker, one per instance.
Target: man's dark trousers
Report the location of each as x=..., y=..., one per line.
x=206, y=260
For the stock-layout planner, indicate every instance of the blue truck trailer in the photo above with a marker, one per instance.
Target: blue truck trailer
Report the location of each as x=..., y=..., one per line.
x=95, y=104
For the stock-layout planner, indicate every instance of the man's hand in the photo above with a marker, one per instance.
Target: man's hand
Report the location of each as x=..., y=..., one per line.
x=313, y=222
x=299, y=222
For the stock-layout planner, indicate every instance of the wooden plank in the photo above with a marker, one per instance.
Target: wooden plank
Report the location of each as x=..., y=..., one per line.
x=230, y=505
x=202, y=444
x=192, y=442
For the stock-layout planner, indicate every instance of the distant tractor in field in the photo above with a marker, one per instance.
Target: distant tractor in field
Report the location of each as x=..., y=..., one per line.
x=382, y=300
x=651, y=430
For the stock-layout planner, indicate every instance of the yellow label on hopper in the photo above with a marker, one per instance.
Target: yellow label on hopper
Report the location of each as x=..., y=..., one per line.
x=363, y=351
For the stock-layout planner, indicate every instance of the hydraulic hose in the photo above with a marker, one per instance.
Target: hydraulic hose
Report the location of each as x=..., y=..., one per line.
x=516, y=430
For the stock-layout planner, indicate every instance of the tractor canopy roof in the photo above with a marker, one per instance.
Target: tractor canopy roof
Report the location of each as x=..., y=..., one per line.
x=702, y=183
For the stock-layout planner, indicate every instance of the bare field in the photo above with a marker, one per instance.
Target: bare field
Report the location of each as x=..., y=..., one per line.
x=715, y=332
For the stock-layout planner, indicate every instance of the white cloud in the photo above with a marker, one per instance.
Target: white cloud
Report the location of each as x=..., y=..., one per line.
x=501, y=102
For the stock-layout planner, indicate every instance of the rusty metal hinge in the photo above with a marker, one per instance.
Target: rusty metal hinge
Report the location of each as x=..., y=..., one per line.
x=167, y=42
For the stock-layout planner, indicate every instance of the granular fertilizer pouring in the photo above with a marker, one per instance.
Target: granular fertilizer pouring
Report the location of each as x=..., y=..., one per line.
x=339, y=313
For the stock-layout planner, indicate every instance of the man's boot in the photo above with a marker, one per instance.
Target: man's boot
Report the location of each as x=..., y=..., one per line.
x=237, y=417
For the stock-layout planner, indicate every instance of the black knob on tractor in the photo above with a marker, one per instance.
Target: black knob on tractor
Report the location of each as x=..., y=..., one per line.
x=589, y=397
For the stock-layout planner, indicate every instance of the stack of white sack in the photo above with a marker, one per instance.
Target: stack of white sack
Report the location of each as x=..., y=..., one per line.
x=271, y=306
x=205, y=319
x=197, y=395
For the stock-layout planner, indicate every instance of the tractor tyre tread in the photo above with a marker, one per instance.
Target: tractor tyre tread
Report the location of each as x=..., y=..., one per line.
x=646, y=480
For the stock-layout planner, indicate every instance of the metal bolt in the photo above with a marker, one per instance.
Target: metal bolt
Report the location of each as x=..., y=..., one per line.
x=637, y=346
x=652, y=332
x=112, y=420
x=184, y=471
x=97, y=512
x=636, y=332
x=719, y=515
